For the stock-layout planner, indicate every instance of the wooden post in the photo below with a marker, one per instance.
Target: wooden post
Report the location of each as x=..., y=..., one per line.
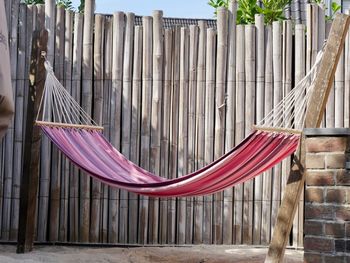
x=314, y=114
x=30, y=178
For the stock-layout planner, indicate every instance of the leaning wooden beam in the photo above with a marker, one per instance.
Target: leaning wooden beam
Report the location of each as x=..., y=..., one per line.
x=314, y=113
x=30, y=177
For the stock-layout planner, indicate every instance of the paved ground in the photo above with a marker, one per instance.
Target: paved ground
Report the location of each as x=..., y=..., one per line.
x=193, y=254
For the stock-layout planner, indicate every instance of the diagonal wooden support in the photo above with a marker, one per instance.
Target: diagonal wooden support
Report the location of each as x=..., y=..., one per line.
x=314, y=113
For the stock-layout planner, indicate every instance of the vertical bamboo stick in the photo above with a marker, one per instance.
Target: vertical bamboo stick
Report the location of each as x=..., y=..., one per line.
x=209, y=128
x=174, y=130
x=156, y=118
x=145, y=119
x=126, y=119
x=249, y=122
x=97, y=114
x=260, y=90
x=107, y=91
x=240, y=112
x=55, y=182
x=277, y=96
x=200, y=129
x=267, y=177
x=339, y=94
x=165, y=136
x=347, y=79
x=45, y=159
x=116, y=102
x=330, y=107
x=135, y=128
x=19, y=119
x=230, y=117
x=220, y=107
x=192, y=100
x=64, y=215
x=183, y=130
x=86, y=103
x=76, y=88
x=299, y=65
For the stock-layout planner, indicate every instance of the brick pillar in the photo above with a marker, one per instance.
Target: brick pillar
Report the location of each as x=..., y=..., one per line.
x=327, y=196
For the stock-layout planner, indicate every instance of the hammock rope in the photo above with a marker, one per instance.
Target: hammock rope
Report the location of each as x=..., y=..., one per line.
x=80, y=138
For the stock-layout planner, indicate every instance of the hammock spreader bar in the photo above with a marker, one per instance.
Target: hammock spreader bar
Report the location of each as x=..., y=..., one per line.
x=89, y=150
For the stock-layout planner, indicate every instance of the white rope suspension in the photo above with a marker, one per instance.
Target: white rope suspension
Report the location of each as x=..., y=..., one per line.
x=289, y=113
x=59, y=108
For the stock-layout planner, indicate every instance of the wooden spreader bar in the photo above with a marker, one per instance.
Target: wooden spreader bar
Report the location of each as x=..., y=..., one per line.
x=68, y=125
x=278, y=130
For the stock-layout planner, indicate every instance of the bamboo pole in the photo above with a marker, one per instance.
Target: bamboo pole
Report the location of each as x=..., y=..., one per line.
x=86, y=103
x=145, y=119
x=107, y=91
x=126, y=118
x=200, y=128
x=183, y=130
x=230, y=116
x=192, y=100
x=220, y=107
x=209, y=128
x=156, y=118
x=97, y=115
x=299, y=68
x=267, y=176
x=135, y=128
x=174, y=130
x=240, y=113
x=76, y=88
x=250, y=98
x=347, y=79
x=339, y=98
x=259, y=111
x=277, y=96
x=115, y=115
x=19, y=120
x=165, y=136
x=67, y=69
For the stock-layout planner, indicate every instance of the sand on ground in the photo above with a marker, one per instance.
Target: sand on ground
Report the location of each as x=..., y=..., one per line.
x=190, y=254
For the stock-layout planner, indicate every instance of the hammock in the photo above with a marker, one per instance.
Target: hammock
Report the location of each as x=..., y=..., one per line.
x=81, y=140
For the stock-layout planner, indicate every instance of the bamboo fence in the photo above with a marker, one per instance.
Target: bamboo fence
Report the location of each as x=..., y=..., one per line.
x=172, y=98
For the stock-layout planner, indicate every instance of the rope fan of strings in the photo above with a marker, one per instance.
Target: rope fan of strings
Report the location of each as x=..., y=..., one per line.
x=58, y=108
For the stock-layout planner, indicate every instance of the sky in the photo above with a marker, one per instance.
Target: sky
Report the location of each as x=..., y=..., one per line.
x=171, y=8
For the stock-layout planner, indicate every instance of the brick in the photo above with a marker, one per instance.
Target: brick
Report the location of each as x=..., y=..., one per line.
x=343, y=177
x=348, y=246
x=318, y=211
x=315, y=161
x=312, y=257
x=339, y=245
x=318, y=244
x=334, y=259
x=319, y=178
x=347, y=229
x=335, y=161
x=314, y=195
x=336, y=196
x=313, y=228
x=335, y=229
x=335, y=144
x=342, y=213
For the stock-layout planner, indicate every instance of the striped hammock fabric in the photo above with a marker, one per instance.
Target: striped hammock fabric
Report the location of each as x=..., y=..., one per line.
x=90, y=151
x=76, y=134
